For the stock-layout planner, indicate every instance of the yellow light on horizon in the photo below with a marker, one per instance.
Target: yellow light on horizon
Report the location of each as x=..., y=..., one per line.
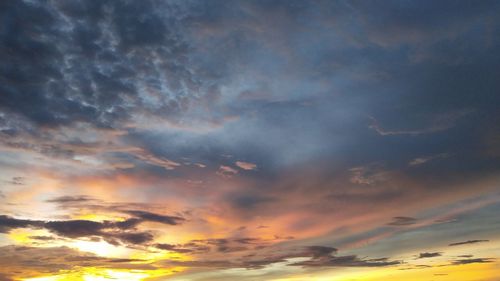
x=100, y=248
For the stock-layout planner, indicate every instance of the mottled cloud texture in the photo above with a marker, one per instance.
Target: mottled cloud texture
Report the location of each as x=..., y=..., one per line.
x=250, y=140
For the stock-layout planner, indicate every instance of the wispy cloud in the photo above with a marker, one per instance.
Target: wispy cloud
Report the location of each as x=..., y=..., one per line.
x=246, y=165
x=467, y=242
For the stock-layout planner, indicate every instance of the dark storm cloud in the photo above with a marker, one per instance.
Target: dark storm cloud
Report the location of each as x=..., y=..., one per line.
x=402, y=221
x=161, y=58
x=467, y=242
x=81, y=61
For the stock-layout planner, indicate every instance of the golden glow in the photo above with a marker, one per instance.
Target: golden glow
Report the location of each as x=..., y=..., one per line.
x=99, y=248
x=96, y=217
x=21, y=236
x=117, y=275
x=484, y=271
x=50, y=278
x=99, y=274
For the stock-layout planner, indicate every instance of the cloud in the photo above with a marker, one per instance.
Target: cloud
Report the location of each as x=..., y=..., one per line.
x=422, y=160
x=246, y=165
x=18, y=181
x=8, y=223
x=467, y=242
x=118, y=99
x=42, y=238
x=152, y=217
x=76, y=228
x=428, y=255
x=138, y=216
x=383, y=132
x=346, y=261
x=402, y=221
x=97, y=89
x=70, y=199
x=114, y=232
x=172, y=248
x=319, y=256
x=369, y=174
x=469, y=261
x=435, y=123
x=317, y=252
x=155, y=160
x=226, y=171
x=249, y=201
x=21, y=262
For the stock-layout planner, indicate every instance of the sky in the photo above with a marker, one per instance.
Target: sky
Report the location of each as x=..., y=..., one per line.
x=252, y=140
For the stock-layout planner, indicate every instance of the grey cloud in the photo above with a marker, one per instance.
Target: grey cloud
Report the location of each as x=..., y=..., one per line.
x=42, y=238
x=250, y=201
x=8, y=223
x=319, y=256
x=134, y=238
x=428, y=255
x=70, y=199
x=438, y=125
x=116, y=55
x=392, y=23
x=20, y=262
x=228, y=245
x=346, y=261
x=147, y=216
x=402, y=221
x=317, y=252
x=18, y=181
x=469, y=261
x=113, y=232
x=76, y=228
x=137, y=216
x=467, y=242
x=173, y=248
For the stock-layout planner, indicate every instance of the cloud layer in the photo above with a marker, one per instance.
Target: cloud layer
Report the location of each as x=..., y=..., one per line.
x=265, y=139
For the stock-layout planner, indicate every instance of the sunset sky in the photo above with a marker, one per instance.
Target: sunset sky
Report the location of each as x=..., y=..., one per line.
x=250, y=140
